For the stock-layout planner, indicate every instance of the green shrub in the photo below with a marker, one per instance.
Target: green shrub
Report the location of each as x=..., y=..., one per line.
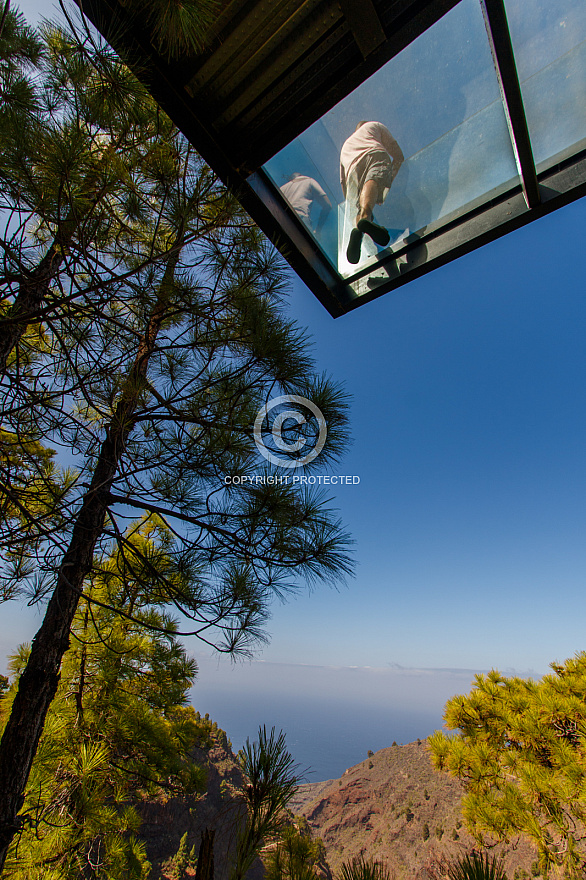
x=364, y=869
x=477, y=866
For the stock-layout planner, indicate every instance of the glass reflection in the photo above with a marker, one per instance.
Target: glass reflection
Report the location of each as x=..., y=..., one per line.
x=549, y=41
x=439, y=101
x=308, y=200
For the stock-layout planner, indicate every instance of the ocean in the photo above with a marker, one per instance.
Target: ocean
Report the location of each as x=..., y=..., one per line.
x=331, y=716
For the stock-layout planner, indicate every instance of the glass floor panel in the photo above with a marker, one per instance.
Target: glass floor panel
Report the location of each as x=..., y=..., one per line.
x=440, y=99
x=549, y=41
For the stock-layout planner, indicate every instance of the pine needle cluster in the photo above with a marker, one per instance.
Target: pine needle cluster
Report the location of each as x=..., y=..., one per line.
x=521, y=754
x=118, y=731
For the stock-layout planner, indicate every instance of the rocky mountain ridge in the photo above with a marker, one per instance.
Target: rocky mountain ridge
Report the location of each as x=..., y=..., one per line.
x=395, y=807
x=392, y=806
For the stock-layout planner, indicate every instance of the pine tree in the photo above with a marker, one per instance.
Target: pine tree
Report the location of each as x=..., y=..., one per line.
x=70, y=142
x=520, y=754
x=184, y=858
x=272, y=781
x=154, y=336
x=73, y=128
x=118, y=730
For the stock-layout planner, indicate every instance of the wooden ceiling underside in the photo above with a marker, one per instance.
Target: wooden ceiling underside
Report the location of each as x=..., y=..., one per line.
x=270, y=67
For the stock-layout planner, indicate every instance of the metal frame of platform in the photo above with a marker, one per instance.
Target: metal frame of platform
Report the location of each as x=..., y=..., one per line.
x=271, y=68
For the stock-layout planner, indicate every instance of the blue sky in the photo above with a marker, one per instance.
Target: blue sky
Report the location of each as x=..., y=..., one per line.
x=469, y=431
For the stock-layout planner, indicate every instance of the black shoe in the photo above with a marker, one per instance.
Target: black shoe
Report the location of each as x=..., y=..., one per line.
x=378, y=233
x=354, y=245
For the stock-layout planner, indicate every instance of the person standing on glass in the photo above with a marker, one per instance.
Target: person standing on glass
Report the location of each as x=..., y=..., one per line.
x=369, y=162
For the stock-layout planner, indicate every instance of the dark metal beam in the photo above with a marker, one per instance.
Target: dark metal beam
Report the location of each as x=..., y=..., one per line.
x=501, y=46
x=403, y=21
x=365, y=24
x=292, y=238
x=262, y=201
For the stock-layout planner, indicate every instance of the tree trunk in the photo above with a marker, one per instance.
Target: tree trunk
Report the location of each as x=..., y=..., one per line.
x=205, y=862
x=32, y=292
x=38, y=683
x=31, y=295
x=82, y=669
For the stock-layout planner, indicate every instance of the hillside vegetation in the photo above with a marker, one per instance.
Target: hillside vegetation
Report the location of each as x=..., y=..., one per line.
x=395, y=807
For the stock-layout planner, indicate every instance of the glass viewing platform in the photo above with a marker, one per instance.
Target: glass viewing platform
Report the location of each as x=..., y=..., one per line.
x=485, y=99
x=443, y=102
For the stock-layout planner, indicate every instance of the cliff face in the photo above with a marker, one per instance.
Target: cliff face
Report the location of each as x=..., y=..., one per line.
x=395, y=807
x=166, y=820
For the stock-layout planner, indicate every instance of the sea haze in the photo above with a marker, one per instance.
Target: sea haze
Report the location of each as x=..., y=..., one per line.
x=331, y=716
